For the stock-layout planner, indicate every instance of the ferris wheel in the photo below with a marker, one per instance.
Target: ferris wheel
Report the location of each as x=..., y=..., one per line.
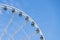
x=17, y=25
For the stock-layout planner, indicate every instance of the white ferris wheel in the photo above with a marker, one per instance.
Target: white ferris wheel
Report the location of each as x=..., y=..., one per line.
x=17, y=25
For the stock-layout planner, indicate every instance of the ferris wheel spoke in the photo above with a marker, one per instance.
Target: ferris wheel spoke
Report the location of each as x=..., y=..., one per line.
x=32, y=35
x=9, y=39
x=25, y=34
x=19, y=29
x=5, y=29
x=29, y=36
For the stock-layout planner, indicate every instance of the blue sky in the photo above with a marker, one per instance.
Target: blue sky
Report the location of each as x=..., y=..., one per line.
x=46, y=14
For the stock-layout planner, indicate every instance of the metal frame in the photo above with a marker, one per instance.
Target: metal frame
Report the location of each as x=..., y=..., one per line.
x=27, y=18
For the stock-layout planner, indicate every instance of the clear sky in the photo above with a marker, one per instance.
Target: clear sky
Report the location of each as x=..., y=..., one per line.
x=46, y=14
